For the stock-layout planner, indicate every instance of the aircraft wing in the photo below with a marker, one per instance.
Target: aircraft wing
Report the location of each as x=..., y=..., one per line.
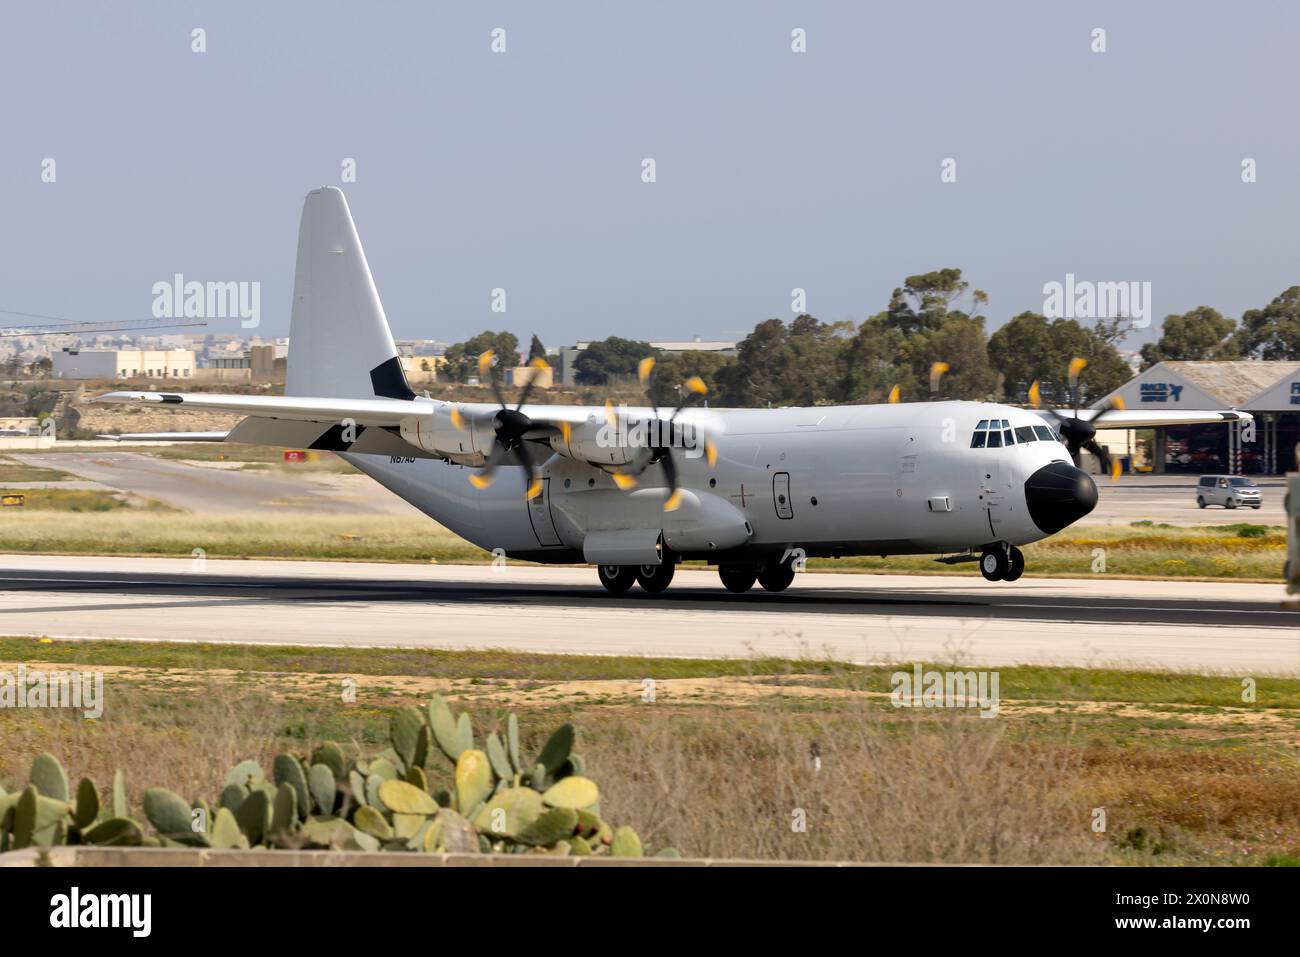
x=420, y=427
x=1150, y=418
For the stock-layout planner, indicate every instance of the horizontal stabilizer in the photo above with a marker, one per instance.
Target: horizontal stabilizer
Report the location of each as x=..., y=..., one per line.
x=167, y=437
x=377, y=412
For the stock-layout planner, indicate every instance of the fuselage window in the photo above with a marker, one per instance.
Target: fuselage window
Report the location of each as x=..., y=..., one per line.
x=1044, y=433
x=1025, y=433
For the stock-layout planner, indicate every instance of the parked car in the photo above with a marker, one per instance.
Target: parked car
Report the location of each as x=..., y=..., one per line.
x=1228, y=491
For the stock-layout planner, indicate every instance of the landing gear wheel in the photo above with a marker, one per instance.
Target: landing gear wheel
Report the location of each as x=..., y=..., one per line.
x=1016, y=565
x=736, y=578
x=655, y=578
x=1200, y=502
x=994, y=564
x=616, y=578
x=776, y=576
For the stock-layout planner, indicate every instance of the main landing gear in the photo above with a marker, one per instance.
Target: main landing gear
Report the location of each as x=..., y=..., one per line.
x=617, y=579
x=1002, y=563
x=773, y=576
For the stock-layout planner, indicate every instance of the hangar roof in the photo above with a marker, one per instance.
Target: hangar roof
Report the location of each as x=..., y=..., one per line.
x=1235, y=382
x=1251, y=384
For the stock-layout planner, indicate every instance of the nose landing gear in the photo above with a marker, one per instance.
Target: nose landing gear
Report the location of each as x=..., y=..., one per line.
x=1002, y=563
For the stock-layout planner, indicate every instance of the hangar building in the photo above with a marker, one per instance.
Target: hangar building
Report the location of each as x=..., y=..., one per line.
x=1270, y=391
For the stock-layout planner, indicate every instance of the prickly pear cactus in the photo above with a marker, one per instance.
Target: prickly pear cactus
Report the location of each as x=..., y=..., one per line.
x=389, y=801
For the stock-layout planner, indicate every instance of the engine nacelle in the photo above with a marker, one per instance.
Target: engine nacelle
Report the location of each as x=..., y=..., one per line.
x=453, y=436
x=597, y=442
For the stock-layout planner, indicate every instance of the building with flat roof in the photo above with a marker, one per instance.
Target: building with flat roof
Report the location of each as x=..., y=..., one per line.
x=1269, y=390
x=123, y=364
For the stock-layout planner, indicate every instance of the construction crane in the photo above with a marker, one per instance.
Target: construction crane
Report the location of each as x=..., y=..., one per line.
x=61, y=326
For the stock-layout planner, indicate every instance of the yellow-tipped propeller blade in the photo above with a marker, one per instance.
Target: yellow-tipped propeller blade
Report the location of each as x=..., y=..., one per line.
x=485, y=362
x=710, y=453
x=457, y=420
x=696, y=384
x=1077, y=365
x=1117, y=404
x=610, y=416
x=539, y=363
x=936, y=373
x=566, y=431
x=480, y=482
x=1035, y=396
x=644, y=368
x=624, y=482
x=1115, y=470
x=674, y=501
x=534, y=490
x=894, y=395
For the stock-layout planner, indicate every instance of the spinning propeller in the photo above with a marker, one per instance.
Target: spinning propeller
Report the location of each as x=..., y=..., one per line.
x=1079, y=433
x=511, y=426
x=661, y=433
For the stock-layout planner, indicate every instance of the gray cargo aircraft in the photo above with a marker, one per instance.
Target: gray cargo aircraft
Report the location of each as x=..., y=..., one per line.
x=634, y=491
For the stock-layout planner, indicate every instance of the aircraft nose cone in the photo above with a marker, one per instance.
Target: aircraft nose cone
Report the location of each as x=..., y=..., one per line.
x=1059, y=495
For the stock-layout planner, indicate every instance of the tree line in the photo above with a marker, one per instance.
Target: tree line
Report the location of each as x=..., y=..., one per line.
x=933, y=317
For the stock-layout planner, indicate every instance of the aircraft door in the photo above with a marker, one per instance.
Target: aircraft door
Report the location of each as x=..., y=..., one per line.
x=781, y=495
x=994, y=478
x=539, y=514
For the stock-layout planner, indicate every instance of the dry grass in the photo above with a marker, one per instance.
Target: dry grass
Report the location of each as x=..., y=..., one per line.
x=186, y=743
x=258, y=535
x=722, y=770
x=891, y=788
x=47, y=527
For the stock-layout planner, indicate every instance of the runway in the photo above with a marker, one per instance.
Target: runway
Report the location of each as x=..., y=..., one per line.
x=1194, y=626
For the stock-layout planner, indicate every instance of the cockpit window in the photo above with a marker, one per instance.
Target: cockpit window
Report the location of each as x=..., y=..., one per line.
x=999, y=434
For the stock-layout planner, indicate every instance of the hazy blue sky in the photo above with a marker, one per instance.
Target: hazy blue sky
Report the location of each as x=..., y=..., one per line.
x=523, y=170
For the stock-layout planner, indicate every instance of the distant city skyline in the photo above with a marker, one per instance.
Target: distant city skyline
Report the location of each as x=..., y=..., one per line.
x=130, y=158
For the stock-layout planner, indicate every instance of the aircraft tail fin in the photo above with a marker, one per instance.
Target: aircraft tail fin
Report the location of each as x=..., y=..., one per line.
x=339, y=341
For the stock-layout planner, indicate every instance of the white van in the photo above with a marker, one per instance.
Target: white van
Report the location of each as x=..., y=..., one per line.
x=1228, y=491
